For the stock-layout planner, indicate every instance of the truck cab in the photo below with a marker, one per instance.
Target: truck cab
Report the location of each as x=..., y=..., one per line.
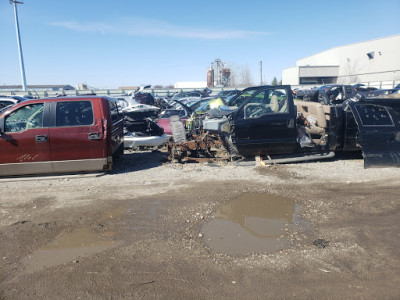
x=60, y=135
x=265, y=124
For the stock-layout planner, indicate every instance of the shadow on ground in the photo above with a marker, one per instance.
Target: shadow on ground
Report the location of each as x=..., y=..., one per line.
x=139, y=160
x=348, y=155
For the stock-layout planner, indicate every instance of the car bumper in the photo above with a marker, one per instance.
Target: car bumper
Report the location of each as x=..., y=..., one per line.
x=131, y=141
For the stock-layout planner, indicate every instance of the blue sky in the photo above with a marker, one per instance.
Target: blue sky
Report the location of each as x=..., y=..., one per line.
x=108, y=44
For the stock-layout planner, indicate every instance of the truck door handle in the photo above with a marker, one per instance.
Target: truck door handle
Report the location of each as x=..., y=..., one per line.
x=94, y=136
x=41, y=138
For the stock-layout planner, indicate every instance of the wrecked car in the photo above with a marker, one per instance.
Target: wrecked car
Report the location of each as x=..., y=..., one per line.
x=185, y=109
x=266, y=124
x=181, y=110
x=384, y=92
x=143, y=133
x=140, y=128
x=330, y=94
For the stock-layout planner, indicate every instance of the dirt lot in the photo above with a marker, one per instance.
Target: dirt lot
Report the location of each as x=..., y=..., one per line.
x=137, y=233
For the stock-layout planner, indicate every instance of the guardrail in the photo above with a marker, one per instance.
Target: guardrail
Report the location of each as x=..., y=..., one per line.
x=163, y=92
x=103, y=92
x=376, y=84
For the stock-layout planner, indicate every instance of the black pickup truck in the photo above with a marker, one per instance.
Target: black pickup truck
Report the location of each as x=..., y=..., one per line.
x=263, y=121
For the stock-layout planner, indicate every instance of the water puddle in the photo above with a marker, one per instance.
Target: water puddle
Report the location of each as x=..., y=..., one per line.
x=116, y=212
x=252, y=223
x=68, y=247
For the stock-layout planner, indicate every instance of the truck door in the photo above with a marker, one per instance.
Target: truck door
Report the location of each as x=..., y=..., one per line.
x=379, y=128
x=265, y=123
x=24, y=140
x=78, y=140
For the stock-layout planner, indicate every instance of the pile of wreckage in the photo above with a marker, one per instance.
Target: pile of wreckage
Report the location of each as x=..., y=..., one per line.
x=140, y=127
x=147, y=121
x=267, y=123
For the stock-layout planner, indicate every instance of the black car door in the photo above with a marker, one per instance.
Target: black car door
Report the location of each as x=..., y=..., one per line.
x=265, y=123
x=379, y=127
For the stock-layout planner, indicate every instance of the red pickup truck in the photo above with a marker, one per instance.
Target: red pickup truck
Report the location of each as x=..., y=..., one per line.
x=60, y=135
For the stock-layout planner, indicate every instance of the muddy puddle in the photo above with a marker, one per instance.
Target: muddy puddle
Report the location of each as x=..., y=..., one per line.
x=70, y=246
x=252, y=223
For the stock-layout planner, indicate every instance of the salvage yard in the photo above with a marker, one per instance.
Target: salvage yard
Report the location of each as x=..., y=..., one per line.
x=143, y=231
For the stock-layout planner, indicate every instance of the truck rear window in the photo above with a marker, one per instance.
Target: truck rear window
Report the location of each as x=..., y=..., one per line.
x=74, y=113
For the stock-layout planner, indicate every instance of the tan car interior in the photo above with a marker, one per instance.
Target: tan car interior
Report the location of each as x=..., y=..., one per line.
x=321, y=113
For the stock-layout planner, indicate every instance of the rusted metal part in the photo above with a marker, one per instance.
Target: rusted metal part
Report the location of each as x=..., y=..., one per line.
x=187, y=159
x=198, y=148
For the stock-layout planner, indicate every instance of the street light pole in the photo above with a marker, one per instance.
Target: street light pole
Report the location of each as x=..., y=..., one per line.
x=21, y=58
x=261, y=79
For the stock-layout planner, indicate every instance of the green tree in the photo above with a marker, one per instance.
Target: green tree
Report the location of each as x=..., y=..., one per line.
x=274, y=81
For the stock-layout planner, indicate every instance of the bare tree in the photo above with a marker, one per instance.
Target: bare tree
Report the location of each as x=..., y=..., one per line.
x=245, y=77
x=351, y=70
x=232, y=79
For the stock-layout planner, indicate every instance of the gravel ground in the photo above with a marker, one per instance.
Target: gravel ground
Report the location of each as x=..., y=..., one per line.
x=153, y=212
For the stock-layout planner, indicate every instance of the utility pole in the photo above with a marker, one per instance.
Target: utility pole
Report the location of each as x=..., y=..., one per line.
x=21, y=58
x=261, y=80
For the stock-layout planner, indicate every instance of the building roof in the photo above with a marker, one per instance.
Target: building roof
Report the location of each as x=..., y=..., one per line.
x=44, y=86
x=377, y=39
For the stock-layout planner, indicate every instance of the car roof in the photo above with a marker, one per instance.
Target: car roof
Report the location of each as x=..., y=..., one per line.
x=9, y=99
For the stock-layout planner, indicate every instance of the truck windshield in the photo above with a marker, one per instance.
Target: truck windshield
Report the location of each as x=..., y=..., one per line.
x=239, y=99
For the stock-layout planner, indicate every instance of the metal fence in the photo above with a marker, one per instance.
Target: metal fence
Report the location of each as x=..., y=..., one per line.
x=161, y=92
x=377, y=84
x=103, y=92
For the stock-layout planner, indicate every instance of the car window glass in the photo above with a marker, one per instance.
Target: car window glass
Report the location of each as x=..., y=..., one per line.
x=74, y=113
x=182, y=113
x=113, y=110
x=4, y=103
x=271, y=101
x=26, y=117
x=170, y=112
x=122, y=103
x=241, y=99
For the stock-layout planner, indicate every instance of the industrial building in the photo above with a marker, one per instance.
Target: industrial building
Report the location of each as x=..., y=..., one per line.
x=375, y=63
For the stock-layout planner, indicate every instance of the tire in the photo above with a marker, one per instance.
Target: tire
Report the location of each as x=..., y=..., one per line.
x=178, y=130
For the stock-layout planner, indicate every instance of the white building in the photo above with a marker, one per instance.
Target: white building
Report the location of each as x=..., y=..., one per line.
x=374, y=63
